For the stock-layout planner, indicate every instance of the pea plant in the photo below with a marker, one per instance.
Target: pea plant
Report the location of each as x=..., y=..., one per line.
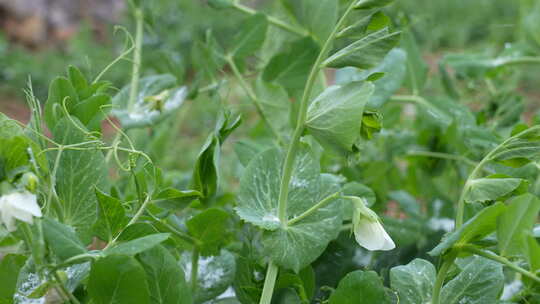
x=337, y=170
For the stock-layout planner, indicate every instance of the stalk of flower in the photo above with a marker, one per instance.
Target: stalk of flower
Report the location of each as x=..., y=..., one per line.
x=18, y=205
x=368, y=231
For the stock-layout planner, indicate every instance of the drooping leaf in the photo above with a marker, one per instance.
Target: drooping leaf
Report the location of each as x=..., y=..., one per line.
x=211, y=227
x=251, y=36
x=158, y=97
x=291, y=67
x=138, y=245
x=166, y=279
x=205, y=178
x=79, y=172
x=359, y=287
x=292, y=247
x=118, y=279
x=479, y=226
x=516, y=224
x=62, y=239
x=480, y=281
x=490, y=188
x=334, y=117
x=10, y=266
x=111, y=216
x=366, y=52
x=413, y=282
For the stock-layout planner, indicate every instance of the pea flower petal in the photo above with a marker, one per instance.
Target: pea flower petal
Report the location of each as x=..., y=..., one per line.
x=18, y=205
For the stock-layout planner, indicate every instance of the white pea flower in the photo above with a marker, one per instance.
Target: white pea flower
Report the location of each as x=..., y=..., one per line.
x=368, y=231
x=18, y=205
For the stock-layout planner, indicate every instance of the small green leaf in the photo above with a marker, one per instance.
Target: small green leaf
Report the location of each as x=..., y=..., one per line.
x=251, y=36
x=366, y=52
x=413, y=282
x=138, y=245
x=10, y=266
x=490, y=188
x=111, y=216
x=480, y=281
x=211, y=227
x=291, y=67
x=479, y=226
x=359, y=287
x=118, y=279
x=335, y=116
x=62, y=239
x=166, y=279
x=417, y=69
x=516, y=224
x=310, y=13
x=532, y=253
x=275, y=103
x=173, y=199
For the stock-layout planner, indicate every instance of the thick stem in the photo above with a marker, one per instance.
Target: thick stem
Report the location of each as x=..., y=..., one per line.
x=497, y=258
x=194, y=269
x=441, y=275
x=302, y=112
x=253, y=97
x=273, y=20
x=269, y=282
x=64, y=290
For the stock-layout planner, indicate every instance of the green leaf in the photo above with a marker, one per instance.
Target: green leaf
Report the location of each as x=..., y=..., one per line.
x=215, y=274
x=173, y=199
x=413, y=282
x=417, y=69
x=310, y=14
x=275, y=103
x=292, y=247
x=359, y=287
x=370, y=4
x=166, y=279
x=251, y=36
x=60, y=90
x=490, y=188
x=523, y=146
x=479, y=226
x=62, y=239
x=205, y=178
x=118, y=279
x=158, y=97
x=212, y=228
x=516, y=224
x=138, y=245
x=13, y=147
x=111, y=216
x=480, y=281
x=79, y=172
x=532, y=253
x=10, y=266
x=366, y=52
x=393, y=69
x=335, y=116
x=291, y=67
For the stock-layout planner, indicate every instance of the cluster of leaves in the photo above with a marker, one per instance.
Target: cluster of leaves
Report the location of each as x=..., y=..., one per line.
x=451, y=184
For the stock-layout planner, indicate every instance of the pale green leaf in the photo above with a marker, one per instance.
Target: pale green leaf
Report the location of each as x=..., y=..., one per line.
x=490, y=188
x=359, y=287
x=138, y=245
x=414, y=281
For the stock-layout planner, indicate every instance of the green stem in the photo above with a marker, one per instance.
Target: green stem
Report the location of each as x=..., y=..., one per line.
x=441, y=275
x=64, y=290
x=53, y=185
x=520, y=60
x=194, y=269
x=302, y=112
x=134, y=219
x=497, y=258
x=314, y=208
x=269, y=282
x=273, y=20
x=253, y=97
